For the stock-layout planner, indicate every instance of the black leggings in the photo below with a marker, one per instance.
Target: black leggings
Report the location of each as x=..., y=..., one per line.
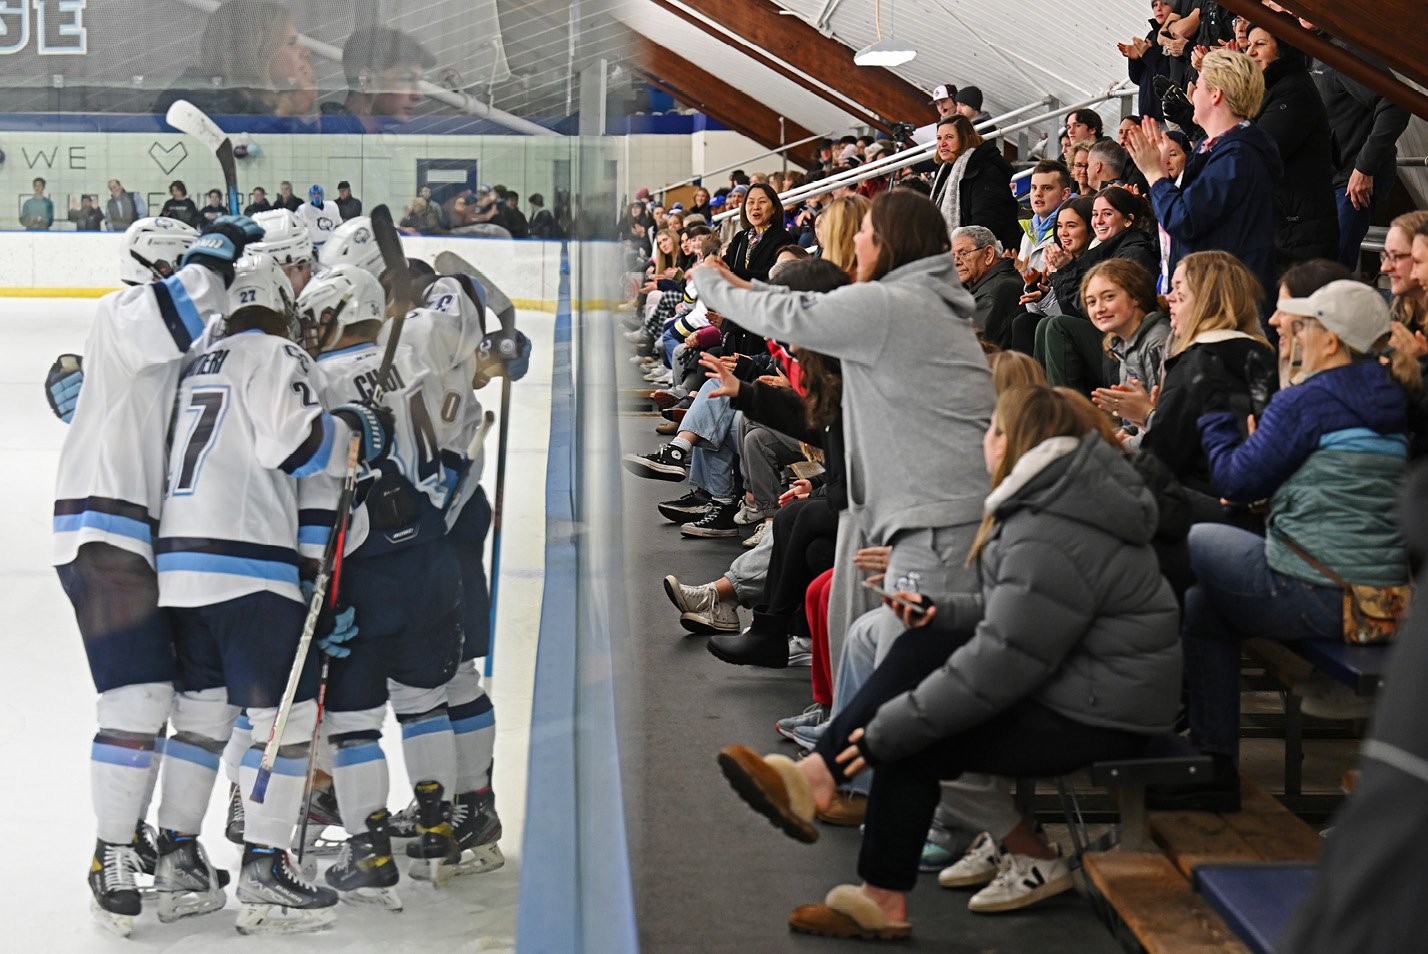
x=1025, y=740
x=805, y=537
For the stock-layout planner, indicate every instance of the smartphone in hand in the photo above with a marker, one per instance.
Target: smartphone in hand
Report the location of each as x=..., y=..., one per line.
x=919, y=608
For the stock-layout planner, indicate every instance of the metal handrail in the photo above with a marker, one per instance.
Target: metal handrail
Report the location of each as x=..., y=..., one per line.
x=743, y=162
x=912, y=157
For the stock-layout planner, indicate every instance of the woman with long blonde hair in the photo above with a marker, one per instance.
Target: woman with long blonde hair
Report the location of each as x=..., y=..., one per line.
x=1050, y=671
x=836, y=226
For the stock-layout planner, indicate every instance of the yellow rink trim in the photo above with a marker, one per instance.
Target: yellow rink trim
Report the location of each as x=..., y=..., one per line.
x=523, y=304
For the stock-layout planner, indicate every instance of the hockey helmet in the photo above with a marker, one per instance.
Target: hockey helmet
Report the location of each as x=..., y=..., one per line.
x=152, y=249
x=288, y=241
x=341, y=296
x=258, y=282
x=353, y=243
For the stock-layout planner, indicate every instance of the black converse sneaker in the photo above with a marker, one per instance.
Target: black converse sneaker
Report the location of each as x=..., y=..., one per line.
x=274, y=898
x=688, y=508
x=667, y=463
x=111, y=880
x=185, y=881
x=364, y=872
x=718, y=522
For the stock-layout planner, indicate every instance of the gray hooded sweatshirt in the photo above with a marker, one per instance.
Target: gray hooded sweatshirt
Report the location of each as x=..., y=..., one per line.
x=1077, y=615
x=917, y=392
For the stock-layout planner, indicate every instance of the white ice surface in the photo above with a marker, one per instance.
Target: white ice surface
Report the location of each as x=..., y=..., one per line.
x=47, y=698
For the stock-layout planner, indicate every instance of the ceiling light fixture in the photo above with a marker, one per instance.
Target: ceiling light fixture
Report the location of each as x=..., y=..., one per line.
x=889, y=52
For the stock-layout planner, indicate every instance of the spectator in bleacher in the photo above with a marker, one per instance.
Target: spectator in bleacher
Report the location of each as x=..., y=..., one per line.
x=260, y=202
x=1410, y=297
x=969, y=103
x=214, y=208
x=1049, y=187
x=1073, y=238
x=1306, y=217
x=1119, y=297
x=1145, y=60
x=1218, y=354
x=837, y=229
x=1078, y=160
x=991, y=277
x=86, y=215
x=1366, y=128
x=286, y=199
x=825, y=156
x=123, y=208
x=699, y=205
x=1329, y=454
x=181, y=207
x=348, y=205
x=38, y=212
x=1106, y=165
x=1085, y=123
x=972, y=182
x=1225, y=199
x=944, y=100
x=1127, y=124
x=1040, y=676
x=752, y=250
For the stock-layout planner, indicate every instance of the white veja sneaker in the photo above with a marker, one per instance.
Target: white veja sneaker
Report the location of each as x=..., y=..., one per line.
x=978, y=866
x=747, y=514
x=758, y=536
x=1021, y=881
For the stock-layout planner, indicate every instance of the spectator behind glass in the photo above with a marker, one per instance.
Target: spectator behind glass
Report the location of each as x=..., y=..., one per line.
x=421, y=218
x=1218, y=358
x=253, y=47
x=971, y=185
x=181, y=207
x=38, y=212
x=1329, y=454
x=348, y=205
x=543, y=225
x=286, y=199
x=1145, y=60
x=260, y=202
x=123, y=208
x=1306, y=218
x=214, y=208
x=384, y=69
x=515, y=220
x=86, y=215
x=1225, y=199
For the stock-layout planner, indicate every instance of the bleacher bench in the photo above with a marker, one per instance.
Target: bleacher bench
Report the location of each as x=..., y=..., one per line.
x=1255, y=900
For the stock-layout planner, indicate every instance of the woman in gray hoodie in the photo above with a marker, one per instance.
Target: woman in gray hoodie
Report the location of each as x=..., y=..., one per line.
x=1071, y=656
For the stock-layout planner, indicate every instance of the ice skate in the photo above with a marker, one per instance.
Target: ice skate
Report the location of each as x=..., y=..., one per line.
x=404, y=823
x=365, y=872
x=111, y=879
x=475, y=828
x=146, y=846
x=233, y=827
x=274, y=899
x=185, y=882
x=321, y=813
x=434, y=846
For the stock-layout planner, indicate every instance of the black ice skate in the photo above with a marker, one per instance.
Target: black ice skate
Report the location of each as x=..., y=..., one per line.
x=321, y=812
x=275, y=899
x=185, y=881
x=364, y=872
x=146, y=846
x=233, y=828
x=434, y=845
x=475, y=829
x=111, y=879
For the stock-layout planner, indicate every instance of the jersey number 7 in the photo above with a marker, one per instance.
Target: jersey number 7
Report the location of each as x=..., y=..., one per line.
x=207, y=406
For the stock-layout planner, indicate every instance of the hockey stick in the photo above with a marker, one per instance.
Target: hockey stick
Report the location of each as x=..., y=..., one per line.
x=496, y=509
x=188, y=118
x=389, y=242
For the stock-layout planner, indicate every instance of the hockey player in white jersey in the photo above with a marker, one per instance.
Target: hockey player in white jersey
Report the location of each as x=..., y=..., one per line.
x=287, y=239
x=109, y=489
x=353, y=243
x=248, y=426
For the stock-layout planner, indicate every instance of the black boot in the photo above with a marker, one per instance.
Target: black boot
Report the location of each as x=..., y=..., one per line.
x=764, y=643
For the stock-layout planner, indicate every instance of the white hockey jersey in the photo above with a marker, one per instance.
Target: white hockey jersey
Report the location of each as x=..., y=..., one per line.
x=249, y=424
x=319, y=222
x=110, y=482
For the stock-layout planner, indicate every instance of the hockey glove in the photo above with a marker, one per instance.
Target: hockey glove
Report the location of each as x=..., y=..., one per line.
x=335, y=627
x=374, y=424
x=506, y=352
x=62, y=385
x=222, y=244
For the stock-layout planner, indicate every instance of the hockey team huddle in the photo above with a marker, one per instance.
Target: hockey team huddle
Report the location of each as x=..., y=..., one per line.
x=198, y=486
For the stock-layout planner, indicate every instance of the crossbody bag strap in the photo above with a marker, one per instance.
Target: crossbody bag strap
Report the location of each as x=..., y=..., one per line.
x=1344, y=584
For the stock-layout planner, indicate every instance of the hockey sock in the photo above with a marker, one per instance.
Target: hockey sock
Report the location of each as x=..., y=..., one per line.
x=359, y=774
x=238, y=743
x=429, y=747
x=474, y=727
x=120, y=764
x=192, y=765
x=153, y=781
x=272, y=822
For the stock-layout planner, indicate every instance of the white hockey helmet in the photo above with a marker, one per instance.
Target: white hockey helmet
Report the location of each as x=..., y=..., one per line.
x=285, y=237
x=152, y=249
x=353, y=243
x=259, y=282
x=341, y=296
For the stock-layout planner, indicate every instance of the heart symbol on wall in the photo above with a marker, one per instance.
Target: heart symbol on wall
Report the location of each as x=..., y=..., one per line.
x=168, y=159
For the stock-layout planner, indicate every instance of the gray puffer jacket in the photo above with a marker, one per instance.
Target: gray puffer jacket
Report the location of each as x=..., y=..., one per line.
x=1076, y=613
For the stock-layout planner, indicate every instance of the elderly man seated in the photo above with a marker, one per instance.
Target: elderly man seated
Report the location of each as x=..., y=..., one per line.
x=992, y=279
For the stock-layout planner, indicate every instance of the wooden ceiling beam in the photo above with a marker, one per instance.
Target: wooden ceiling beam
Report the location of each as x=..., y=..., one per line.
x=1394, y=32
x=795, y=50
x=739, y=111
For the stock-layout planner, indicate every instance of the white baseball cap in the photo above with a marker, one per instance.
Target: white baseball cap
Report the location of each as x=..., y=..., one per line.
x=943, y=92
x=1353, y=311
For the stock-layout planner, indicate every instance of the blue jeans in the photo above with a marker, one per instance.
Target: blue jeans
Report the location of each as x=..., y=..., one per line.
x=712, y=466
x=1354, y=223
x=1236, y=597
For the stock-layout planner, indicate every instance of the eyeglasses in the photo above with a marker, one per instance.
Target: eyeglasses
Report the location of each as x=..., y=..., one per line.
x=1392, y=258
x=963, y=256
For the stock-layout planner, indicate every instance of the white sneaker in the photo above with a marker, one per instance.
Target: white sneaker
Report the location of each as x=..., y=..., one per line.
x=701, y=609
x=978, y=866
x=1021, y=881
x=747, y=514
x=1325, y=699
x=663, y=377
x=800, y=651
x=758, y=536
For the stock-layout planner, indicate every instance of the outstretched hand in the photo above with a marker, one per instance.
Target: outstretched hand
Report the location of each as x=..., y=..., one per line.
x=717, y=368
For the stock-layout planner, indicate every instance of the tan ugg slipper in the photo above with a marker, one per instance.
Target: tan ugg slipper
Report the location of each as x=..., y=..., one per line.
x=847, y=809
x=773, y=787
x=847, y=912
